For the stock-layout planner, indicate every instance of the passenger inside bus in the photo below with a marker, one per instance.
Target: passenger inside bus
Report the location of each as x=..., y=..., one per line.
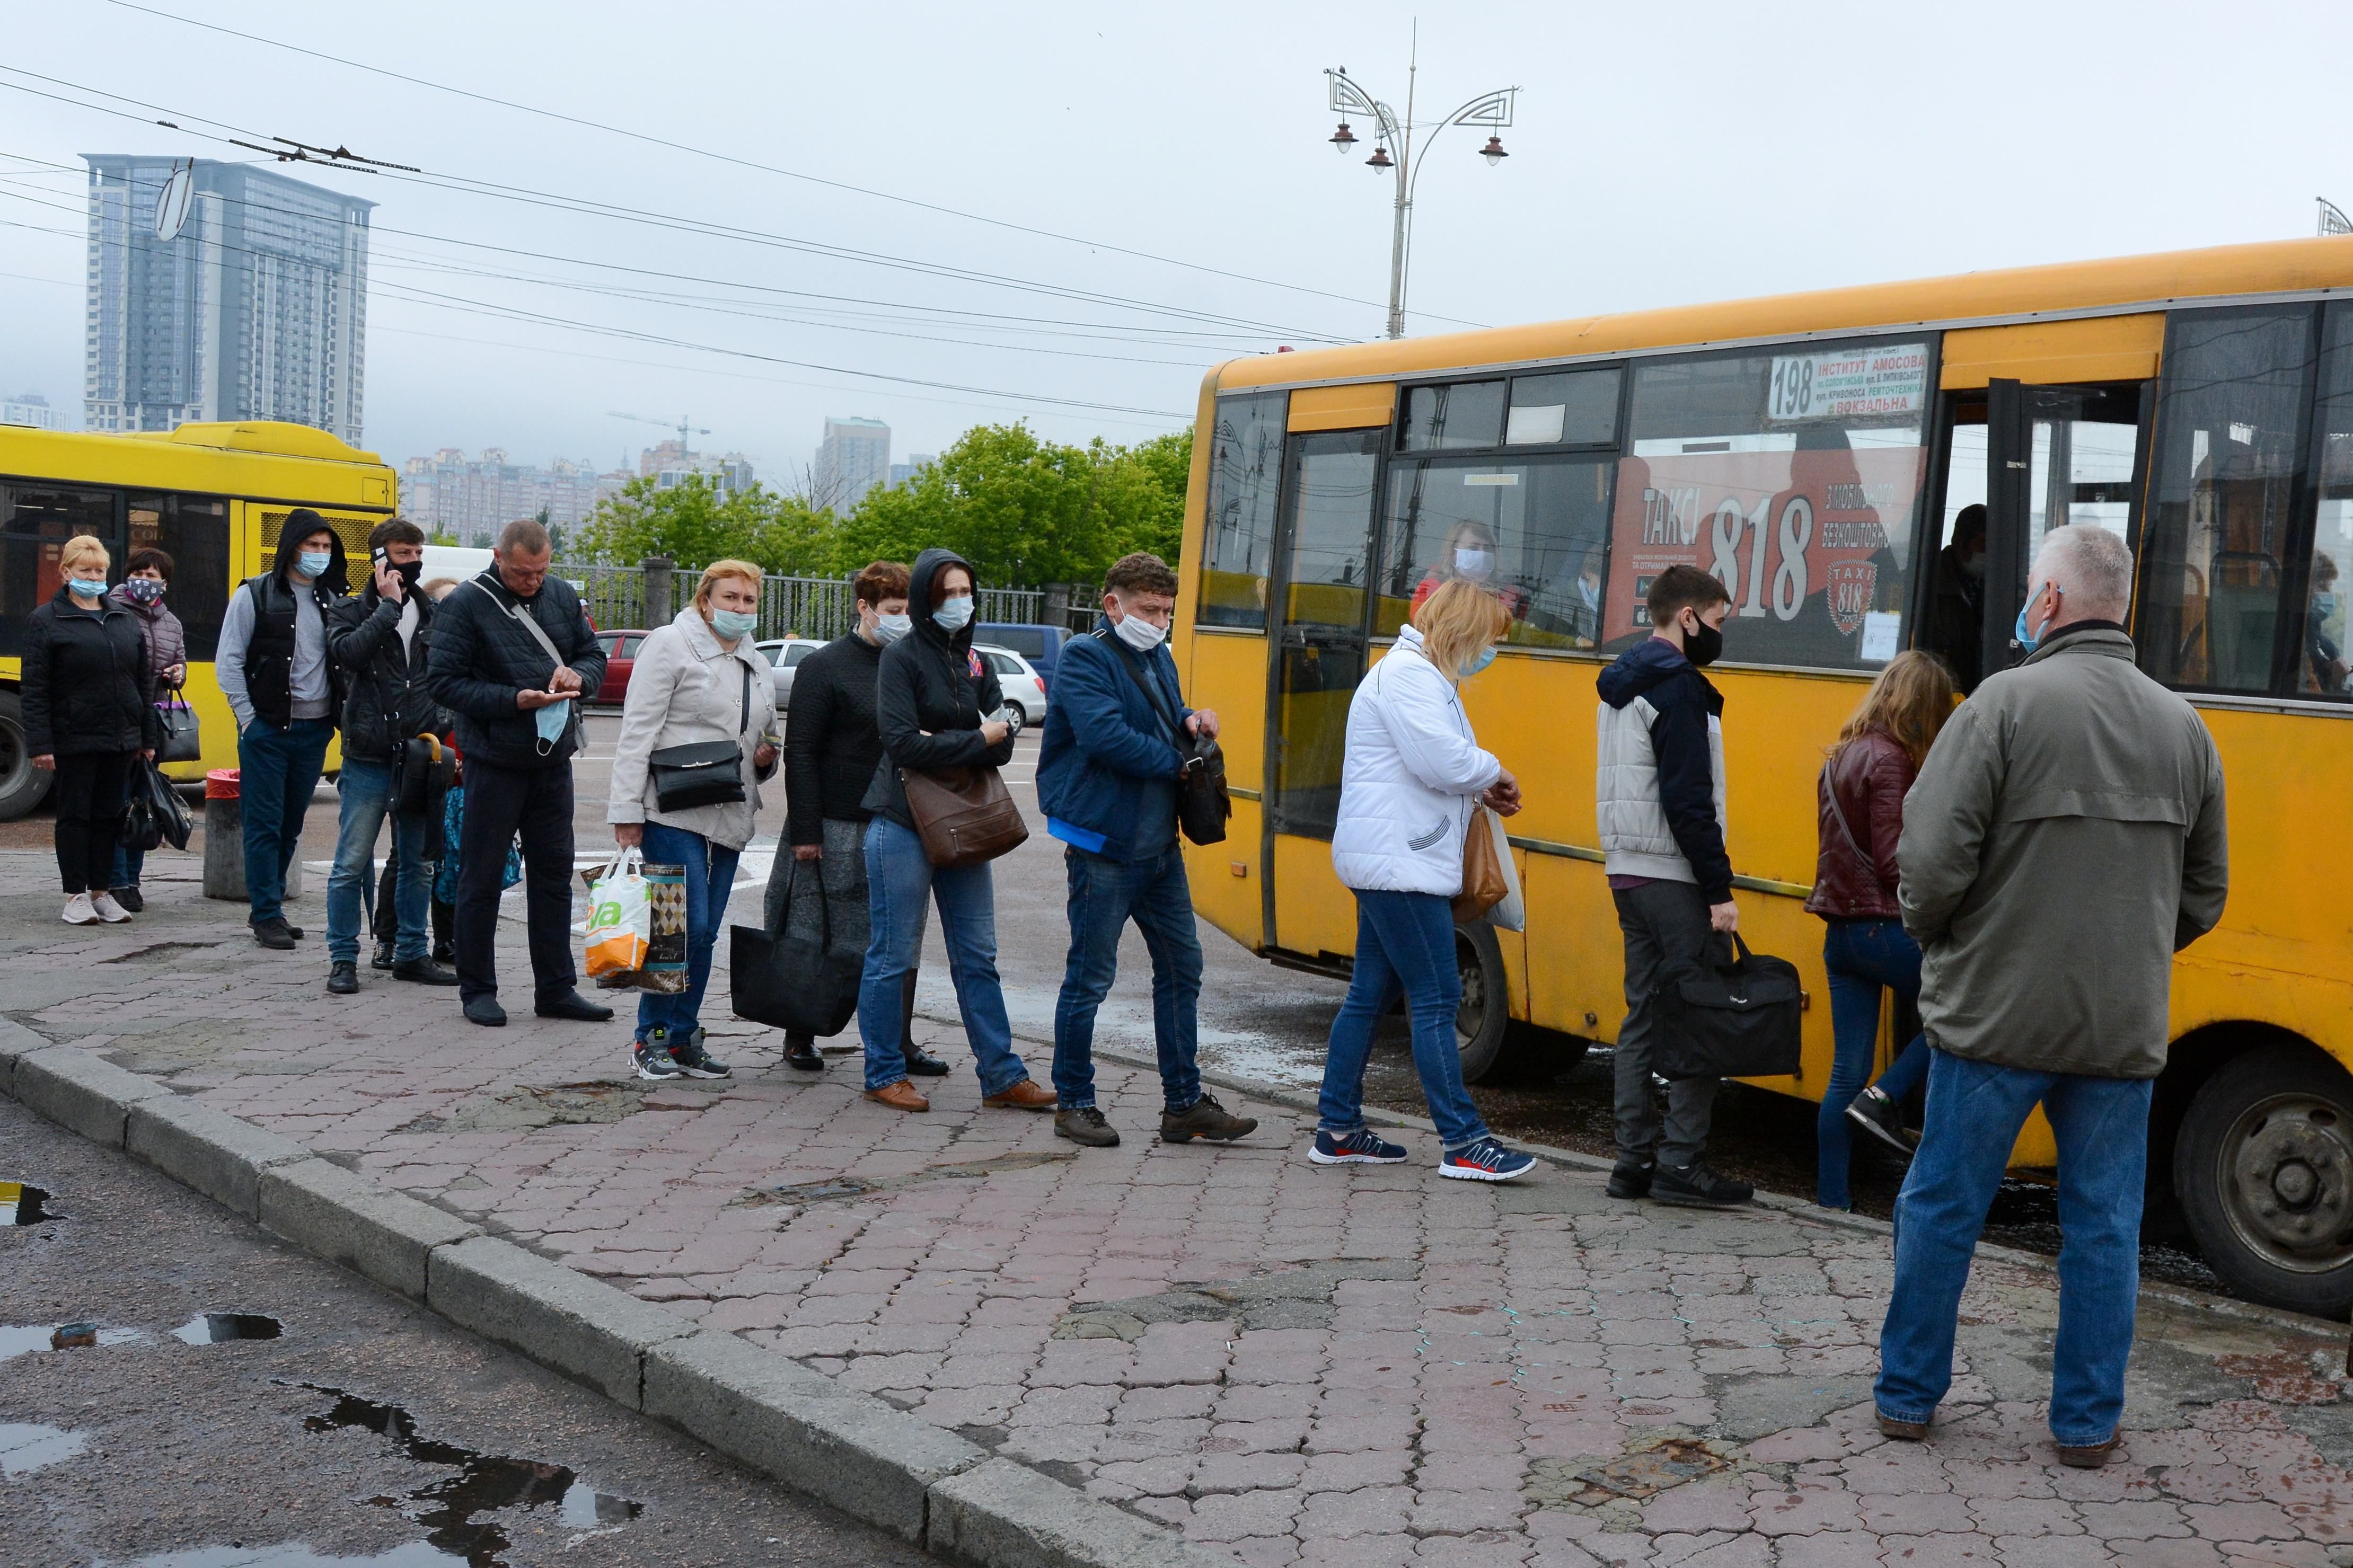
x=1957, y=612
x=1470, y=552
x=2325, y=666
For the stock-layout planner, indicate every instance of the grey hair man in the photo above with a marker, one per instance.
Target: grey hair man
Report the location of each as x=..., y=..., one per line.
x=2065, y=839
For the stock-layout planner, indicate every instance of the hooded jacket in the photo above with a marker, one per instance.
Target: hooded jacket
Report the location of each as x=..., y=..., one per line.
x=930, y=693
x=1412, y=772
x=167, y=639
x=260, y=637
x=687, y=690
x=388, y=702
x=1659, y=795
x=86, y=684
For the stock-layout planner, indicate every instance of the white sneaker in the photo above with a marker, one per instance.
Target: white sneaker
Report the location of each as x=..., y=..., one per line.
x=78, y=912
x=108, y=909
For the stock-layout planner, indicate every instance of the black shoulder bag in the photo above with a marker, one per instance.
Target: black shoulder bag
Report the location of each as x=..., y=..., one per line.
x=1203, y=802
x=1728, y=1020
x=705, y=773
x=789, y=982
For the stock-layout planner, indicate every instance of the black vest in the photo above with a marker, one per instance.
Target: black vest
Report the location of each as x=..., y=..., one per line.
x=270, y=652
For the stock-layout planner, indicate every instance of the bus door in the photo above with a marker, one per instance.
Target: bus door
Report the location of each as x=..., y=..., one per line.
x=1324, y=568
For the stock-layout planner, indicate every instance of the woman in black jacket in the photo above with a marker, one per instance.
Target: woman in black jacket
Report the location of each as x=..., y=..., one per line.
x=930, y=693
x=90, y=716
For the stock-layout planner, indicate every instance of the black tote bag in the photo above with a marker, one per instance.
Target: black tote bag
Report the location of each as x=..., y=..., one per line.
x=789, y=982
x=1736, y=1020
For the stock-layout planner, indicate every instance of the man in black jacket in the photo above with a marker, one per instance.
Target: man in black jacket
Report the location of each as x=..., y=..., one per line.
x=284, y=691
x=379, y=640
x=512, y=657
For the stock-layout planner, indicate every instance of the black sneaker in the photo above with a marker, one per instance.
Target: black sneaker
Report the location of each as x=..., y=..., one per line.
x=1695, y=1186
x=1086, y=1125
x=129, y=898
x=382, y=958
x=343, y=979
x=1205, y=1118
x=692, y=1058
x=654, y=1061
x=1875, y=1113
x=1628, y=1180
x=276, y=934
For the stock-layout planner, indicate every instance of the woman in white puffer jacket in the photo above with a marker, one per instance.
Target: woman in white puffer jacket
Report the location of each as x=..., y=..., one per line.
x=1413, y=775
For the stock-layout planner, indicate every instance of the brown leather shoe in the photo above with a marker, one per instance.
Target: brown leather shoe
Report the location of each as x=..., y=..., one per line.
x=2091, y=1456
x=898, y=1096
x=1903, y=1431
x=1027, y=1094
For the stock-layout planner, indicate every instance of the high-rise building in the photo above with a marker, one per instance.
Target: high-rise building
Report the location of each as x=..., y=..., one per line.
x=256, y=309
x=472, y=498
x=29, y=409
x=730, y=475
x=904, y=473
x=854, y=457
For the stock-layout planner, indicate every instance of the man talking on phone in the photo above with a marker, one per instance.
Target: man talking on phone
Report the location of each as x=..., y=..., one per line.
x=512, y=657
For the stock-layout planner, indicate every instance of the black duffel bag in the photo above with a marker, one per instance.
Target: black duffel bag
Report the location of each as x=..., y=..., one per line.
x=1736, y=1020
x=790, y=982
x=153, y=815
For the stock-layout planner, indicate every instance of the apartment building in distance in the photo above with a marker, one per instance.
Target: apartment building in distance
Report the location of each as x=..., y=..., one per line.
x=256, y=308
x=904, y=473
x=473, y=498
x=29, y=409
x=853, y=458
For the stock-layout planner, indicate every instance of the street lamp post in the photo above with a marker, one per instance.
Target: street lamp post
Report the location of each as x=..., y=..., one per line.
x=1491, y=111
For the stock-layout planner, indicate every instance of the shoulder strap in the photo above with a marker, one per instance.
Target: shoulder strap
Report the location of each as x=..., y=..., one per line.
x=745, y=726
x=1150, y=698
x=530, y=622
x=1838, y=815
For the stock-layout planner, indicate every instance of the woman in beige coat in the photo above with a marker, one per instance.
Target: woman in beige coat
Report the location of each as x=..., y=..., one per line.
x=698, y=680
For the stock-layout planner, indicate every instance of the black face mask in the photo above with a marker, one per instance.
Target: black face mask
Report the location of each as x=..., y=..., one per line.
x=1704, y=644
x=410, y=571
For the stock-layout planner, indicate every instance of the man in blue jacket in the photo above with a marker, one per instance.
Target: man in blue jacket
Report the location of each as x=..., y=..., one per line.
x=1118, y=736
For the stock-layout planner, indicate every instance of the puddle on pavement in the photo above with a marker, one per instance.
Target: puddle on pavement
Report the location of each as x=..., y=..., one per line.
x=160, y=950
x=293, y=1554
x=26, y=1448
x=22, y=1203
x=17, y=1339
x=485, y=1483
x=219, y=1328
x=835, y=1187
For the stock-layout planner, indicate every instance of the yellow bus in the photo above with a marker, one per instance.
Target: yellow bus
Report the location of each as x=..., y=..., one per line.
x=211, y=496
x=1815, y=451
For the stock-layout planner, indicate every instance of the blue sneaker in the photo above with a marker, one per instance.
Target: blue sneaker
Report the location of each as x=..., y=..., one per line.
x=1357, y=1148
x=1486, y=1161
x=654, y=1060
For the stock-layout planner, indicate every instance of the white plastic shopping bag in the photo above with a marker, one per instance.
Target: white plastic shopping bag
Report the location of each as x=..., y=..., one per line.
x=620, y=917
x=1512, y=914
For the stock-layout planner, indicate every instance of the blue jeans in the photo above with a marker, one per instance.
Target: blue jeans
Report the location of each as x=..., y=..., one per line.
x=366, y=791
x=277, y=770
x=1104, y=896
x=710, y=876
x=1862, y=956
x=1975, y=1111
x=1405, y=944
x=127, y=864
x=897, y=882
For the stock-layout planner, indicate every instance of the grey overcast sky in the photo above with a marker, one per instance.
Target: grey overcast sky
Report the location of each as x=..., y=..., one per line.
x=1664, y=154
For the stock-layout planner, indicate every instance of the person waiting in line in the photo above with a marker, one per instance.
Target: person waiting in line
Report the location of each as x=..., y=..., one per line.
x=90, y=717
x=1409, y=780
x=140, y=592
x=698, y=681
x=1469, y=554
x=1660, y=805
x=380, y=640
x=441, y=902
x=1956, y=631
x=1108, y=772
x=284, y=692
x=1861, y=810
x=931, y=695
x=831, y=748
x=513, y=655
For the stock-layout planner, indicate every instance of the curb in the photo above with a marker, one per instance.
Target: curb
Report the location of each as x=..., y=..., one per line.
x=875, y=1462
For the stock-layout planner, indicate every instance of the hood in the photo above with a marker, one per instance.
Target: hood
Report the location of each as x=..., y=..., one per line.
x=1652, y=662
x=928, y=565
x=300, y=523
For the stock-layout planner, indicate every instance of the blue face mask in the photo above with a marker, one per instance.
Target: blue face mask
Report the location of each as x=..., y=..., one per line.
x=2030, y=642
x=733, y=624
x=86, y=588
x=2324, y=604
x=1486, y=657
x=552, y=721
x=315, y=562
x=952, y=615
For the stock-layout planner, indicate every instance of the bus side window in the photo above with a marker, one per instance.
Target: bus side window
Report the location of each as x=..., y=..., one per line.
x=36, y=520
x=194, y=531
x=1245, y=478
x=1534, y=533
x=2321, y=668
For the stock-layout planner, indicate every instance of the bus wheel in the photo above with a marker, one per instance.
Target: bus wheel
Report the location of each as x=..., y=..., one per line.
x=23, y=786
x=2263, y=1167
x=1486, y=1015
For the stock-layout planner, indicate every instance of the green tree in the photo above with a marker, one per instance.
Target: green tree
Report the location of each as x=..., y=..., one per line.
x=694, y=524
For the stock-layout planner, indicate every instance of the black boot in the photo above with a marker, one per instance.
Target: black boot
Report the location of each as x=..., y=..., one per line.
x=800, y=1051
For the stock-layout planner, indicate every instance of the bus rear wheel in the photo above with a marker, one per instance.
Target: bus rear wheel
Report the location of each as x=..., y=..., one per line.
x=23, y=786
x=2263, y=1167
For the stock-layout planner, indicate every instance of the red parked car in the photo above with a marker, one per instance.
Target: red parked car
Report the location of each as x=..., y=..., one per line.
x=620, y=657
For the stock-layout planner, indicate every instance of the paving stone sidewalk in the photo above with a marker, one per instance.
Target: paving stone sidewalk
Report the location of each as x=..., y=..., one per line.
x=1367, y=1367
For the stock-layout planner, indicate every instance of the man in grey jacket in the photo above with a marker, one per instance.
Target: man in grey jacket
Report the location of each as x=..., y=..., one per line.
x=2065, y=840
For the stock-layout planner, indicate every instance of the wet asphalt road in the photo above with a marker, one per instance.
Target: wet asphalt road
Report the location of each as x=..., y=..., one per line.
x=282, y=1453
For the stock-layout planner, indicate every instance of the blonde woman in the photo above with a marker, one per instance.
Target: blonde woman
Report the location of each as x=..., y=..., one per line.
x=1861, y=796
x=1412, y=776
x=697, y=680
x=90, y=717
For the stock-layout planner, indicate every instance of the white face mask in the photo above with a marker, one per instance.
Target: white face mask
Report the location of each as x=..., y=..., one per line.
x=889, y=629
x=1475, y=564
x=1138, y=633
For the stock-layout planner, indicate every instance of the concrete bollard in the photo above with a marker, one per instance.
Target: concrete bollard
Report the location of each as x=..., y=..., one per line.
x=225, y=841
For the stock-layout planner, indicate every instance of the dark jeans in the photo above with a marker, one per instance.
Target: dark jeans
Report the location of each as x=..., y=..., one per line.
x=385, y=923
x=500, y=804
x=1863, y=957
x=89, y=796
x=709, y=878
x=1665, y=926
x=127, y=863
x=277, y=770
x=1104, y=896
x=1405, y=946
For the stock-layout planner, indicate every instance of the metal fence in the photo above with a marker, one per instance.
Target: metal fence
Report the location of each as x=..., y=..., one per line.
x=789, y=606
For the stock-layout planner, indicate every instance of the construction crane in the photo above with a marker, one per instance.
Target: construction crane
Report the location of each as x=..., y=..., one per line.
x=685, y=428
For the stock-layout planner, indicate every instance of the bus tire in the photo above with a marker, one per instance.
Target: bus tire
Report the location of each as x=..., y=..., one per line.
x=2264, y=1168
x=23, y=786
x=1484, y=1017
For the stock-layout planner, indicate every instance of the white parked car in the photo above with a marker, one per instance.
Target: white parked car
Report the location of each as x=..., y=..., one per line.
x=784, y=655
x=1024, y=688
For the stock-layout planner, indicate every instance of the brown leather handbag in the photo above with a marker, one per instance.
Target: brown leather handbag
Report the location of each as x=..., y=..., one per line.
x=1483, y=877
x=965, y=816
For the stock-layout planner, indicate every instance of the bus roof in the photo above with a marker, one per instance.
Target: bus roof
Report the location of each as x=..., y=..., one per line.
x=260, y=459
x=2129, y=284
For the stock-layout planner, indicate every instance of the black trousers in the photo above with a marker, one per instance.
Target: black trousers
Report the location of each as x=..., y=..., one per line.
x=386, y=924
x=89, y=796
x=501, y=802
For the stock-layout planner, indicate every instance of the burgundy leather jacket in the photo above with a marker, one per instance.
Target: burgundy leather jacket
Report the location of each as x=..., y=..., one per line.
x=1864, y=782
